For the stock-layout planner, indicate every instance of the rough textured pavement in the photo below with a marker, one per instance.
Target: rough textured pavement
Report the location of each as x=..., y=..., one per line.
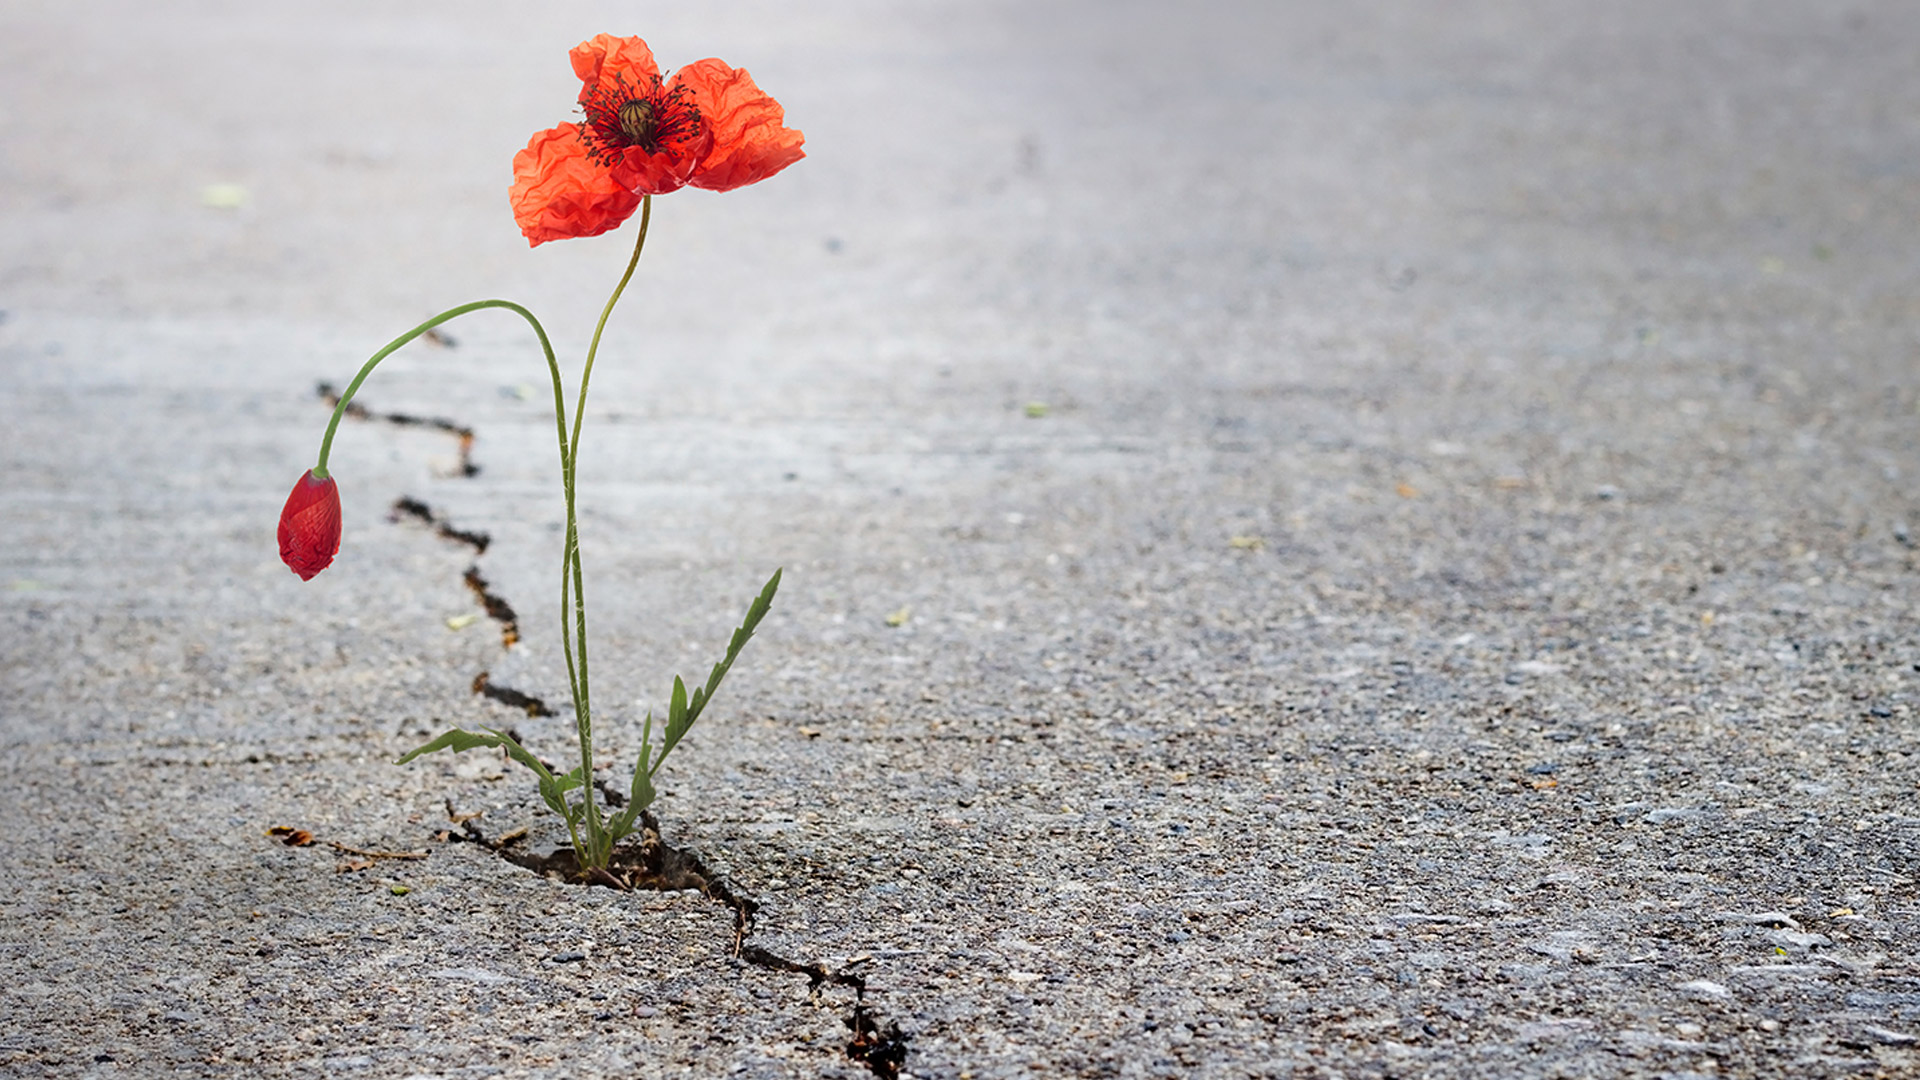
x=1335, y=539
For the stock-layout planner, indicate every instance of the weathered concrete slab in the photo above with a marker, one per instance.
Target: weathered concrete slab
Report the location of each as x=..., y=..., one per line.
x=1324, y=539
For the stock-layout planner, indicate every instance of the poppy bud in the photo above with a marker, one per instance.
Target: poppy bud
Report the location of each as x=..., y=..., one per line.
x=310, y=526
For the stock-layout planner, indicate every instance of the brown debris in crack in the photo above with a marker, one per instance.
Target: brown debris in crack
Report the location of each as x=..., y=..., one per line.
x=497, y=609
x=460, y=432
x=882, y=1049
x=470, y=832
x=484, y=686
x=407, y=506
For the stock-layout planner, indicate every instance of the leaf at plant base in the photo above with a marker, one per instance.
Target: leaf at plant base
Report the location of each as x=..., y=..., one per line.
x=679, y=719
x=640, y=795
x=456, y=741
x=552, y=789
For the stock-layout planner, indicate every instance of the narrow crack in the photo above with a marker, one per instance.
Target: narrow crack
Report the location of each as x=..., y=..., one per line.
x=484, y=686
x=407, y=506
x=497, y=609
x=460, y=432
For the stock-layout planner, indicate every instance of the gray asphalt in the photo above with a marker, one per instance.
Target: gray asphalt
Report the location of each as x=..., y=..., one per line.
x=1335, y=539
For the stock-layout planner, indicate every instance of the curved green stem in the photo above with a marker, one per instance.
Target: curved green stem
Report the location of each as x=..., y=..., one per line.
x=553, y=366
x=572, y=574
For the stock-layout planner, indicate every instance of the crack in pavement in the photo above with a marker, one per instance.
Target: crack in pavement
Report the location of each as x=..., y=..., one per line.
x=360, y=412
x=655, y=865
x=497, y=609
x=484, y=686
x=411, y=507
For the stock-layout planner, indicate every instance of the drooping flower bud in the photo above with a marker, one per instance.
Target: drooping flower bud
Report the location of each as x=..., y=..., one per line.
x=310, y=526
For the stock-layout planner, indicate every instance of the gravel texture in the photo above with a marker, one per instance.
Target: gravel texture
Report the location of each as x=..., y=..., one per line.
x=1320, y=540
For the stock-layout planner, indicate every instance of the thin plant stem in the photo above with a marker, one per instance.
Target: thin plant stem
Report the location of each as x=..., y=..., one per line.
x=598, y=844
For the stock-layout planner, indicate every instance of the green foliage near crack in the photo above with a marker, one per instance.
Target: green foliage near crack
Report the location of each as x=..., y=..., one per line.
x=593, y=837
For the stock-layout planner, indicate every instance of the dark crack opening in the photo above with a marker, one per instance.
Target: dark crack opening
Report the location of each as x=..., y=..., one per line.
x=484, y=686
x=497, y=609
x=461, y=432
x=407, y=506
x=653, y=864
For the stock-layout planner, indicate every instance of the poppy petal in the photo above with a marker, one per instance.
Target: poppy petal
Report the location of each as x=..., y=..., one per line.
x=657, y=174
x=605, y=58
x=559, y=193
x=750, y=138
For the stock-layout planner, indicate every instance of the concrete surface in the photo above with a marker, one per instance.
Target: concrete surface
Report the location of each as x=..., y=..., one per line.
x=1455, y=616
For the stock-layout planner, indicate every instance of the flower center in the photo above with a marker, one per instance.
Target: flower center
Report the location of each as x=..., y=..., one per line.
x=648, y=116
x=636, y=120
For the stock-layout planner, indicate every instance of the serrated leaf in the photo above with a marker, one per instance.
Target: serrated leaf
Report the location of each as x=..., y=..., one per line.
x=455, y=740
x=459, y=741
x=522, y=755
x=640, y=794
x=683, y=713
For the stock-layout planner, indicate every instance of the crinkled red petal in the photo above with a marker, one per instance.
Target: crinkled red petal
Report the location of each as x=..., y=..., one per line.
x=656, y=174
x=605, y=58
x=559, y=192
x=750, y=138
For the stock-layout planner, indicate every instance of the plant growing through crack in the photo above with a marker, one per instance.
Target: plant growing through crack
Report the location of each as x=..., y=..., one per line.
x=641, y=135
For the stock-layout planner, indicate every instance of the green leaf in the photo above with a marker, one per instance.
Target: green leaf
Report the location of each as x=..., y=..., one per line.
x=552, y=789
x=569, y=781
x=459, y=741
x=456, y=741
x=641, y=794
x=678, y=718
x=682, y=713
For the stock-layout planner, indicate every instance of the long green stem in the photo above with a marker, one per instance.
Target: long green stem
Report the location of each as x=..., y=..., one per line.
x=570, y=567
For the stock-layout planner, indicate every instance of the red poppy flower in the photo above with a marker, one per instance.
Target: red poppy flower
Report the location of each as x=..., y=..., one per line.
x=708, y=127
x=310, y=526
